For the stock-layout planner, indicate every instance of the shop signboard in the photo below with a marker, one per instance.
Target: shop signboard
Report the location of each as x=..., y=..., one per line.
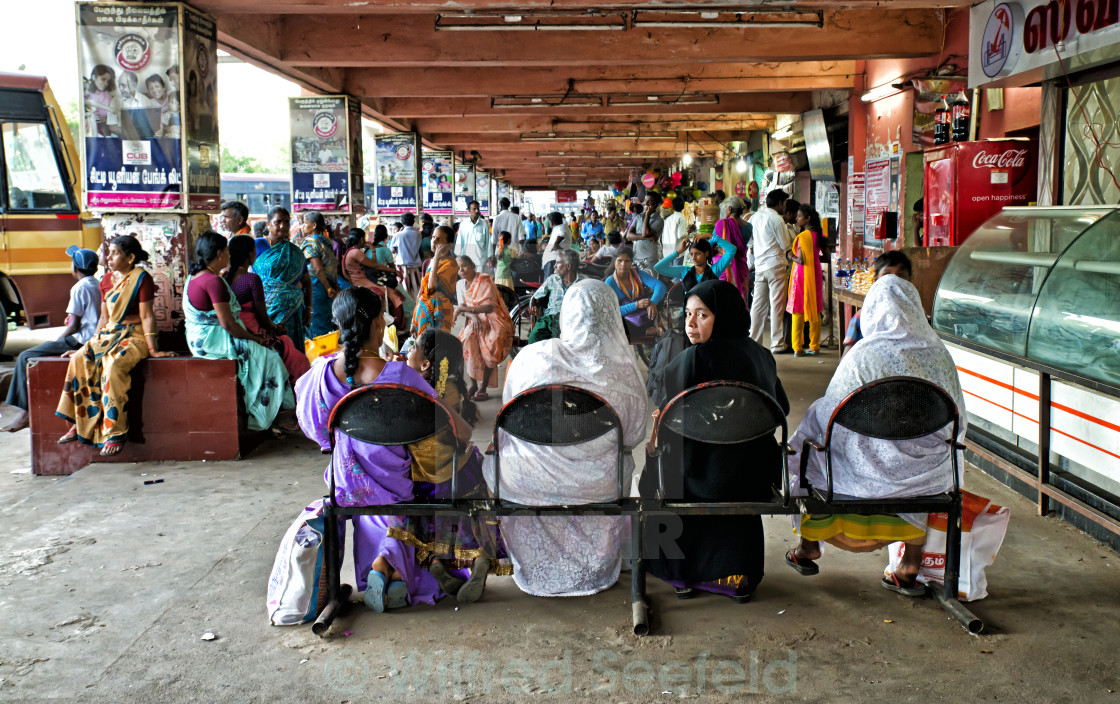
x=464, y=187
x=439, y=169
x=1018, y=43
x=320, y=150
x=482, y=191
x=132, y=148
x=856, y=216
x=396, y=163
x=565, y=196
x=200, y=117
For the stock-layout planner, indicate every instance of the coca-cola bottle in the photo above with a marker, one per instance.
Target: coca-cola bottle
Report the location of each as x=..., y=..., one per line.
x=941, y=124
x=962, y=115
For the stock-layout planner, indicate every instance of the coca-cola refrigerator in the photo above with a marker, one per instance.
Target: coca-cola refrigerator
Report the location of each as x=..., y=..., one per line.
x=967, y=182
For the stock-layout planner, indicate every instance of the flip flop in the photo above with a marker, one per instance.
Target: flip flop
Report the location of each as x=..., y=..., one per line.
x=70, y=436
x=374, y=596
x=476, y=585
x=113, y=446
x=449, y=583
x=891, y=583
x=804, y=566
x=685, y=592
x=481, y=396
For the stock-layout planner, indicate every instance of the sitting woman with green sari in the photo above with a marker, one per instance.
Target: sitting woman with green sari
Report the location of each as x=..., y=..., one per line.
x=283, y=272
x=435, y=305
x=215, y=331
x=100, y=372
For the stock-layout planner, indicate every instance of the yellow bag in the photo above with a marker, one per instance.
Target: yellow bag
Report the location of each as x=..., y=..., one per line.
x=322, y=345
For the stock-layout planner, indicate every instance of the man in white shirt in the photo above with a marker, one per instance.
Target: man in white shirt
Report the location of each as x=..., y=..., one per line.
x=771, y=242
x=473, y=238
x=676, y=228
x=558, y=241
x=509, y=221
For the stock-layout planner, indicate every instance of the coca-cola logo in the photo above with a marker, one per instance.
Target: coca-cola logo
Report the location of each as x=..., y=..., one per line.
x=1010, y=159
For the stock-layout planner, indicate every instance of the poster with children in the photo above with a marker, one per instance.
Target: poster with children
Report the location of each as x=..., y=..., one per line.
x=396, y=163
x=320, y=153
x=482, y=191
x=464, y=187
x=200, y=66
x=128, y=55
x=439, y=170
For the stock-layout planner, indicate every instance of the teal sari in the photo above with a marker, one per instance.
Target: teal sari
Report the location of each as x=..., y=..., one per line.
x=281, y=267
x=260, y=371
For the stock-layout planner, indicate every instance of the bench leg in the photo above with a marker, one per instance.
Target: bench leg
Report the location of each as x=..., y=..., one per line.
x=337, y=594
x=638, y=604
x=948, y=595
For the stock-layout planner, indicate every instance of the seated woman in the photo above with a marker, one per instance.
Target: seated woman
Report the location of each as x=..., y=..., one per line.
x=722, y=554
x=487, y=335
x=100, y=371
x=283, y=271
x=452, y=544
x=366, y=475
x=897, y=341
x=572, y=555
x=379, y=252
x=702, y=269
x=248, y=291
x=638, y=294
x=354, y=267
x=435, y=305
x=214, y=331
x=549, y=297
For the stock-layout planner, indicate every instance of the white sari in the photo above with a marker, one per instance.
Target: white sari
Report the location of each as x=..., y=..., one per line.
x=572, y=555
x=898, y=341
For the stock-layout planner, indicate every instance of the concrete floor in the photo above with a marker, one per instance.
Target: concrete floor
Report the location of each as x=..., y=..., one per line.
x=107, y=585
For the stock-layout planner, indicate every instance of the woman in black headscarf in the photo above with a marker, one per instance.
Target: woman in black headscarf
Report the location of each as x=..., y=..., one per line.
x=721, y=554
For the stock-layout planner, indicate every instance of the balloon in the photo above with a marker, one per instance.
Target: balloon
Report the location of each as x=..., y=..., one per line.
x=697, y=193
x=677, y=179
x=667, y=203
x=702, y=186
x=648, y=180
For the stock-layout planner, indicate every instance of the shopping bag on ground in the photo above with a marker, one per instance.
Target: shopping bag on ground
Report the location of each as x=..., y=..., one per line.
x=297, y=588
x=983, y=527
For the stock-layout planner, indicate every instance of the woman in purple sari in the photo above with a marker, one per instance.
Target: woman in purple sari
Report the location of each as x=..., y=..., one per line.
x=386, y=568
x=738, y=274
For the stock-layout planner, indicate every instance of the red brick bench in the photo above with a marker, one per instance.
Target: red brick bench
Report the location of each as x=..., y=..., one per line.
x=180, y=409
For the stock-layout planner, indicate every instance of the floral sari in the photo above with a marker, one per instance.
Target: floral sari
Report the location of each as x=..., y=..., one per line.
x=281, y=267
x=320, y=246
x=486, y=340
x=100, y=373
x=260, y=371
x=434, y=305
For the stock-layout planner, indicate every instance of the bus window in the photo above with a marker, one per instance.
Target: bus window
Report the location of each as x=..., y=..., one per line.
x=34, y=179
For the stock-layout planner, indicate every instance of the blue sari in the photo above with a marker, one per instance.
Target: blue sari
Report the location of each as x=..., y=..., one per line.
x=281, y=267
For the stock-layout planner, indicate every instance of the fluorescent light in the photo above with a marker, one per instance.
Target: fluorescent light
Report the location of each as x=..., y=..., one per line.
x=512, y=18
x=709, y=15
x=741, y=165
x=880, y=92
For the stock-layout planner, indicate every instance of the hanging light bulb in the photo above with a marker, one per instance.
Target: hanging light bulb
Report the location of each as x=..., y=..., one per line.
x=686, y=159
x=741, y=165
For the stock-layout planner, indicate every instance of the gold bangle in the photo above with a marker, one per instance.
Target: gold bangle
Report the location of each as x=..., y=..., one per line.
x=150, y=334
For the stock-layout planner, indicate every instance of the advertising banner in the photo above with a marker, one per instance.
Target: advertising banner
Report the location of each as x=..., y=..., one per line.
x=200, y=72
x=320, y=153
x=439, y=171
x=131, y=117
x=482, y=191
x=855, y=203
x=828, y=199
x=565, y=196
x=464, y=187
x=503, y=190
x=396, y=161
x=877, y=195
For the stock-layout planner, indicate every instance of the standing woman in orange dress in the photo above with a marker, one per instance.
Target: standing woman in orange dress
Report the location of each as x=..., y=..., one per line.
x=488, y=335
x=435, y=305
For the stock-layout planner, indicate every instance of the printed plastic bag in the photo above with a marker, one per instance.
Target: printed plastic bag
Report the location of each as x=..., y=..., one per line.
x=297, y=588
x=983, y=527
x=321, y=346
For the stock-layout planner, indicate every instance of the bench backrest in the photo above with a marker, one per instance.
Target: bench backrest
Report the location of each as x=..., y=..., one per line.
x=895, y=408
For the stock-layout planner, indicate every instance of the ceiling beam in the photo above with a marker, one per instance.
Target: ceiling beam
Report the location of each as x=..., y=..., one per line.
x=750, y=103
x=592, y=124
x=411, y=40
x=427, y=7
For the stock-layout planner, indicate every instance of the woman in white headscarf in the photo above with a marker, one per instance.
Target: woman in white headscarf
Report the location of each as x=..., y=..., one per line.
x=898, y=342
x=572, y=555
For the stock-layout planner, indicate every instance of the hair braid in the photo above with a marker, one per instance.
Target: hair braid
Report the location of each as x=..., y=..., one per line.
x=354, y=310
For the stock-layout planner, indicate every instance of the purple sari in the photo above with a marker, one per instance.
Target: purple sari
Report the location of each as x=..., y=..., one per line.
x=367, y=475
x=738, y=274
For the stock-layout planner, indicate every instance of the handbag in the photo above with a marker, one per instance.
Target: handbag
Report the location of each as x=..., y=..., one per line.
x=379, y=277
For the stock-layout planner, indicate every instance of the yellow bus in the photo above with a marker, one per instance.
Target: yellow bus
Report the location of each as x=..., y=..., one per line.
x=40, y=205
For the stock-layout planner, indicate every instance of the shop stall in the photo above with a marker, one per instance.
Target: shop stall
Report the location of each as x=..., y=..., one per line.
x=1029, y=307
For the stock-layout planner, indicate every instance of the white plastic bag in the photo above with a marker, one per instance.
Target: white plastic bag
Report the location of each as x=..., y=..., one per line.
x=983, y=527
x=297, y=588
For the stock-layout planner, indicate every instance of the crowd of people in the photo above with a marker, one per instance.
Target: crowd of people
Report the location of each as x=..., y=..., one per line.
x=257, y=300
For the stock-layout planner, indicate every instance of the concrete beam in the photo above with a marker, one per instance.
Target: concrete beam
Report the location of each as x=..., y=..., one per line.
x=748, y=103
x=427, y=7
x=544, y=124
x=465, y=81
x=411, y=40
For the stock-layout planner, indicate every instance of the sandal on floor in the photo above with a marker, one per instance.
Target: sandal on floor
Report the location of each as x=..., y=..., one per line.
x=481, y=396
x=449, y=583
x=112, y=446
x=396, y=596
x=70, y=436
x=472, y=590
x=685, y=592
x=374, y=596
x=804, y=566
x=740, y=598
x=913, y=589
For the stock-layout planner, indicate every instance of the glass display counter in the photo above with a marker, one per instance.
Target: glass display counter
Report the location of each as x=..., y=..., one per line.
x=1042, y=284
